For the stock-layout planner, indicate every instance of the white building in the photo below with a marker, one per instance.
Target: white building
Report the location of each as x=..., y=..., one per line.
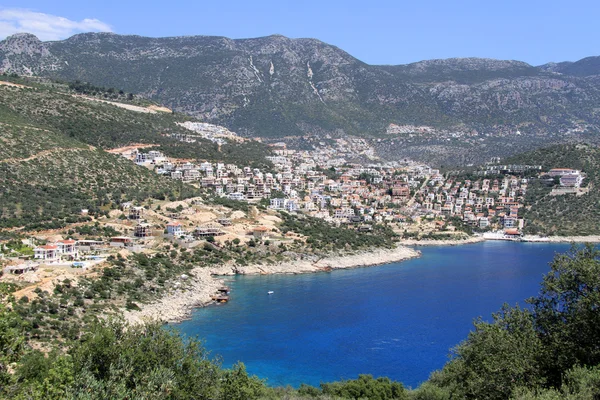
x=48, y=253
x=174, y=229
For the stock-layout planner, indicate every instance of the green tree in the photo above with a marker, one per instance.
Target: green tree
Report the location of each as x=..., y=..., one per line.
x=567, y=312
x=366, y=387
x=237, y=385
x=496, y=358
x=12, y=343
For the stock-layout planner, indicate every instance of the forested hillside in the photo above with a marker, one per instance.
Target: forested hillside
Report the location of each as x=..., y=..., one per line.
x=53, y=163
x=108, y=126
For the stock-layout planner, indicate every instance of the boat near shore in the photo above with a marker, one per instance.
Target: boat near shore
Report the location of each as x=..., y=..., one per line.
x=514, y=235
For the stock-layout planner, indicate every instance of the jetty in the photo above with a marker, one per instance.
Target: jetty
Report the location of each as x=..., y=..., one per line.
x=220, y=298
x=223, y=289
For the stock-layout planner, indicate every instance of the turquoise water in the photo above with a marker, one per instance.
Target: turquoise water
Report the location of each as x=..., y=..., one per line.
x=398, y=320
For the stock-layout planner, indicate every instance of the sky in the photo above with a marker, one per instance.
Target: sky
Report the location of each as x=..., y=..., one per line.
x=375, y=31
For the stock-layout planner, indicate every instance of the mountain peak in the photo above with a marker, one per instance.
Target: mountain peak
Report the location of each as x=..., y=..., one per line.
x=20, y=36
x=23, y=44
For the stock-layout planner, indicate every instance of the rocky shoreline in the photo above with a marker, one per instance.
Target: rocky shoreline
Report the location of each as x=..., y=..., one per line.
x=526, y=238
x=178, y=305
x=564, y=239
x=203, y=283
x=445, y=242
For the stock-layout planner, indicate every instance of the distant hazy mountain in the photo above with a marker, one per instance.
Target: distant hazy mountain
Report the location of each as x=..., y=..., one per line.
x=275, y=86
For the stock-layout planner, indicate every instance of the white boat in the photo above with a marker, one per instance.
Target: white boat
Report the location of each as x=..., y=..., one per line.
x=270, y=292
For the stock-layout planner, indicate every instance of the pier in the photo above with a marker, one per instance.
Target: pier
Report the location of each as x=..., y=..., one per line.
x=220, y=298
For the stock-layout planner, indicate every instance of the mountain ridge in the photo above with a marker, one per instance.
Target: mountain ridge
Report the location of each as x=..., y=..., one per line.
x=275, y=87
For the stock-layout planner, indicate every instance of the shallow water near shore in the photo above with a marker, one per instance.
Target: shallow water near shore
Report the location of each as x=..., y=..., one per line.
x=398, y=320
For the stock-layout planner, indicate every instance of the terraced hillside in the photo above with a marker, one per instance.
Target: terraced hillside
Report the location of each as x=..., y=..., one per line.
x=53, y=163
x=105, y=125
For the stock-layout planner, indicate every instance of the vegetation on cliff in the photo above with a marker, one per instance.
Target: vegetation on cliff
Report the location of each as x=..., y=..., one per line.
x=569, y=214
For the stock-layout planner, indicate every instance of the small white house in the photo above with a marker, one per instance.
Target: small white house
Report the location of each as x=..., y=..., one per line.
x=174, y=229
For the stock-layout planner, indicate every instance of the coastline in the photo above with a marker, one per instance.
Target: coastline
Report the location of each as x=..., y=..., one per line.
x=204, y=281
x=563, y=239
x=444, y=242
x=525, y=239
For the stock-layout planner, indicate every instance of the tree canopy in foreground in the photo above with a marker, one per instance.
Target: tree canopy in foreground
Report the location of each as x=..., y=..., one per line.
x=548, y=350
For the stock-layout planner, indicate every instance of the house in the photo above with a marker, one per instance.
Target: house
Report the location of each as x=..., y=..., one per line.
x=67, y=248
x=177, y=175
x=236, y=196
x=141, y=158
x=190, y=175
x=291, y=206
x=512, y=234
x=21, y=268
x=174, y=229
x=48, y=253
x=365, y=228
x=571, y=180
x=484, y=222
x=120, y=241
x=509, y=222
x=401, y=190
x=208, y=230
x=562, y=171
x=277, y=204
x=89, y=245
x=260, y=232
x=355, y=219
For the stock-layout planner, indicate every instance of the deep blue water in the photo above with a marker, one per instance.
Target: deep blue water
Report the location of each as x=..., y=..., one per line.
x=398, y=320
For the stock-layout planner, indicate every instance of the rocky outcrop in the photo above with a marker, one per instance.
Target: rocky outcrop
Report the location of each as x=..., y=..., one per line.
x=177, y=305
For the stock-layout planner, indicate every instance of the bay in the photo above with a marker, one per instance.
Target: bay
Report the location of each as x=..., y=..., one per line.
x=398, y=320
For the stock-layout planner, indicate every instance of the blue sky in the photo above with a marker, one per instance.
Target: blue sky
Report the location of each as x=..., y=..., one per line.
x=376, y=32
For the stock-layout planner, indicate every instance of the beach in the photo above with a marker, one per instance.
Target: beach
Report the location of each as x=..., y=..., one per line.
x=203, y=282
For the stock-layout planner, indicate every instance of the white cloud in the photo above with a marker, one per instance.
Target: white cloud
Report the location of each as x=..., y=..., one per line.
x=45, y=26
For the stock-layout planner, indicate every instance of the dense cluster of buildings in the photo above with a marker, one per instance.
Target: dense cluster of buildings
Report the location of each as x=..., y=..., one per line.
x=326, y=186
x=483, y=203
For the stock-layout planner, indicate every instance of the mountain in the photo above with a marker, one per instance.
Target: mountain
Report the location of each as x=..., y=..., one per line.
x=585, y=67
x=276, y=87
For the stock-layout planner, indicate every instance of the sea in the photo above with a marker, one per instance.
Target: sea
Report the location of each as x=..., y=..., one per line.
x=399, y=320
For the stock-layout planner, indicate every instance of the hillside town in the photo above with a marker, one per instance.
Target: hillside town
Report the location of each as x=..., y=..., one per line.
x=415, y=200
x=414, y=197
